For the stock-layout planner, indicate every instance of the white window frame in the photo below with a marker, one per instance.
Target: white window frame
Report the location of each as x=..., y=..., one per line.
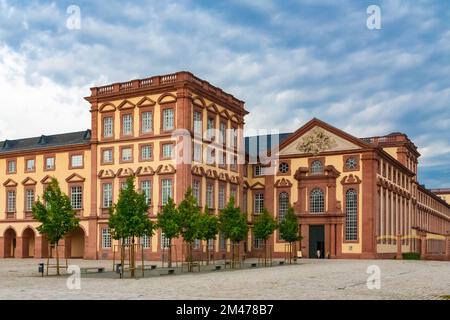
x=76, y=197
x=146, y=155
x=127, y=124
x=107, y=195
x=168, y=119
x=166, y=190
x=29, y=196
x=76, y=160
x=127, y=154
x=11, y=201
x=108, y=126
x=147, y=121
x=146, y=188
x=106, y=238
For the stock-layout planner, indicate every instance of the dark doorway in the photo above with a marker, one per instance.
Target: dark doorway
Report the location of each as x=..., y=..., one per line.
x=317, y=241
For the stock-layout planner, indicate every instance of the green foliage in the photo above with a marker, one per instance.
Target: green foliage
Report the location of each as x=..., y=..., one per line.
x=56, y=213
x=233, y=223
x=411, y=256
x=168, y=220
x=209, y=225
x=289, y=227
x=189, y=217
x=264, y=225
x=129, y=217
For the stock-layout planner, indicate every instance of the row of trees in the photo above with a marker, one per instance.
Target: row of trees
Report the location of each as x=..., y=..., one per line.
x=129, y=220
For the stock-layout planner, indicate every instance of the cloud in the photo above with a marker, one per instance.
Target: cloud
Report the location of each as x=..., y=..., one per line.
x=290, y=61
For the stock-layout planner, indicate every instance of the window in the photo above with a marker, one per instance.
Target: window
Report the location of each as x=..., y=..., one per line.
x=165, y=242
x=283, y=204
x=351, y=163
x=49, y=163
x=196, y=245
x=127, y=154
x=222, y=130
x=351, y=215
x=316, y=167
x=107, y=156
x=210, y=156
x=147, y=122
x=317, y=203
x=76, y=161
x=233, y=193
x=210, y=195
x=29, y=200
x=234, y=134
x=197, y=123
x=12, y=166
x=146, y=152
x=196, y=190
x=30, y=164
x=11, y=201
x=258, y=171
x=211, y=244
x=106, y=238
x=127, y=125
x=145, y=241
x=167, y=119
x=146, y=188
x=123, y=185
x=167, y=150
x=107, y=195
x=257, y=242
x=233, y=165
x=283, y=167
x=210, y=128
x=107, y=127
x=197, y=152
x=259, y=203
x=76, y=197
x=221, y=196
x=166, y=190
x=222, y=241
x=222, y=159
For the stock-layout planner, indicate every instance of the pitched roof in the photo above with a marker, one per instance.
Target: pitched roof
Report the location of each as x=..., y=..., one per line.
x=42, y=142
x=264, y=143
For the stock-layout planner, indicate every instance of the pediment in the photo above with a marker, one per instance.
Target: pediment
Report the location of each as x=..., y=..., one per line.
x=46, y=180
x=199, y=101
x=107, y=107
x=29, y=182
x=317, y=139
x=212, y=174
x=75, y=178
x=257, y=185
x=234, y=179
x=283, y=182
x=167, y=98
x=165, y=169
x=225, y=114
x=125, y=172
x=10, y=183
x=223, y=177
x=145, y=102
x=106, y=174
x=145, y=171
x=213, y=108
x=198, y=171
x=125, y=104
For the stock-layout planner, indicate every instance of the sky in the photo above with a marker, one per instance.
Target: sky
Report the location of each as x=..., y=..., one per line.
x=289, y=60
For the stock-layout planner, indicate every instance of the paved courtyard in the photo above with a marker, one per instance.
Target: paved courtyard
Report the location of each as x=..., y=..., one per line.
x=309, y=279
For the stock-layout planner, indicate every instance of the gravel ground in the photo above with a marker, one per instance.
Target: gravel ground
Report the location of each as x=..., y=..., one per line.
x=309, y=279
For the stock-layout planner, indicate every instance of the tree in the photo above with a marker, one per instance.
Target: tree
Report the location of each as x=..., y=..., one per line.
x=233, y=225
x=289, y=230
x=263, y=227
x=189, y=222
x=129, y=218
x=209, y=227
x=168, y=221
x=56, y=215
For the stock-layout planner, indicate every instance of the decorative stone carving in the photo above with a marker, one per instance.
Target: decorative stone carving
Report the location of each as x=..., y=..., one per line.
x=316, y=142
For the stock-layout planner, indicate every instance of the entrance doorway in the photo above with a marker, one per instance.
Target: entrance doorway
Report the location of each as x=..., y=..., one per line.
x=317, y=241
x=28, y=243
x=9, y=240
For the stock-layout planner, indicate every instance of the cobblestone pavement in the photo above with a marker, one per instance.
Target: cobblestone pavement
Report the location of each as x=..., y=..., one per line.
x=309, y=279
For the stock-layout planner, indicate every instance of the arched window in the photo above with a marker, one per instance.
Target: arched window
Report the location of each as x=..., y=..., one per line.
x=351, y=215
x=283, y=204
x=316, y=167
x=317, y=203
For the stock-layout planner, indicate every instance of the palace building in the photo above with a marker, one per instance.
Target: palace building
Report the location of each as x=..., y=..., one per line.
x=354, y=197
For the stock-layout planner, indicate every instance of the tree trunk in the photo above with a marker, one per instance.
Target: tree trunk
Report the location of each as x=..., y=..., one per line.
x=57, y=259
x=207, y=253
x=132, y=262
x=169, y=258
x=122, y=255
x=265, y=252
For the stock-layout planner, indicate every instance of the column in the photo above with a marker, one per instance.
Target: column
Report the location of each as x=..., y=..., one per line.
x=18, y=250
x=423, y=247
x=333, y=240
x=399, y=247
